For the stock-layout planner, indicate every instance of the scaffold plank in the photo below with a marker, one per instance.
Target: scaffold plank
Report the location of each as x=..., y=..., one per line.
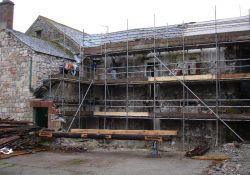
x=126, y=132
x=120, y=114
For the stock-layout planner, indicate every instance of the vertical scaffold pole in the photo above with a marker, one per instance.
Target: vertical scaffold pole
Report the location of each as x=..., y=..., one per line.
x=50, y=84
x=216, y=77
x=63, y=85
x=127, y=80
x=105, y=67
x=79, y=76
x=183, y=87
x=249, y=20
x=154, y=124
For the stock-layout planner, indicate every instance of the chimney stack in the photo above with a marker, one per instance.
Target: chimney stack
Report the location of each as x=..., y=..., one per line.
x=6, y=14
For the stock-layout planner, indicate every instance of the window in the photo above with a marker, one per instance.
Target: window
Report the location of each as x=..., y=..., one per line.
x=38, y=33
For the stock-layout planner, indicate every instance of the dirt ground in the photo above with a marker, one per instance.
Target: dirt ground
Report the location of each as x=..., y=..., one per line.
x=101, y=162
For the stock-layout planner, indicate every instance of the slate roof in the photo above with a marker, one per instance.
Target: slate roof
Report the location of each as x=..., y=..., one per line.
x=39, y=45
x=134, y=34
x=74, y=34
x=91, y=40
x=172, y=31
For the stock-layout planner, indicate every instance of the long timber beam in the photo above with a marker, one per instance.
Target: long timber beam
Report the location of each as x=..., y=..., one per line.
x=149, y=135
x=126, y=132
x=205, y=77
x=162, y=79
x=134, y=114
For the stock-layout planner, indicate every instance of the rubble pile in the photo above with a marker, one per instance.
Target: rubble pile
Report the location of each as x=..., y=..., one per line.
x=68, y=145
x=17, y=135
x=238, y=162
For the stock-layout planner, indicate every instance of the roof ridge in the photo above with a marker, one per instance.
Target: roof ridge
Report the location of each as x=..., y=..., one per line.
x=53, y=21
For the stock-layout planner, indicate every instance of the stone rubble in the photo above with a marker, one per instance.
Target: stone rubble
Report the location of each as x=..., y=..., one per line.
x=238, y=162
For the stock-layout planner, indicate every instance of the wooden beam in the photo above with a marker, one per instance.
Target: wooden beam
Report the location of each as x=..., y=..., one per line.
x=148, y=135
x=126, y=132
x=121, y=114
x=83, y=113
x=211, y=157
x=68, y=78
x=206, y=77
x=234, y=76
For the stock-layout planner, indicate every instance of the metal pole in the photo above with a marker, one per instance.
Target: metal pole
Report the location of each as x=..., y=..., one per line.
x=93, y=90
x=79, y=75
x=249, y=20
x=127, y=81
x=183, y=88
x=79, y=107
x=50, y=85
x=63, y=75
x=216, y=77
x=105, y=87
x=154, y=77
x=167, y=35
x=217, y=116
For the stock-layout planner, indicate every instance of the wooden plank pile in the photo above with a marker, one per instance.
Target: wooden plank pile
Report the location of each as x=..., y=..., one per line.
x=17, y=135
x=197, y=151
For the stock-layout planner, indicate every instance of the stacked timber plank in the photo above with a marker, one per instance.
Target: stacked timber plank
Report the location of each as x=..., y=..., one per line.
x=17, y=135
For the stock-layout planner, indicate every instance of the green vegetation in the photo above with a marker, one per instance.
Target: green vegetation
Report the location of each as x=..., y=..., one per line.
x=172, y=57
x=59, y=46
x=233, y=111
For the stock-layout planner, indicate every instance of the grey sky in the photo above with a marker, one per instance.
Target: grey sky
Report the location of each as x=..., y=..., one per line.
x=91, y=15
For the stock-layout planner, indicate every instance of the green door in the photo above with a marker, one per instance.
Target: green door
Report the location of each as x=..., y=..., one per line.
x=41, y=117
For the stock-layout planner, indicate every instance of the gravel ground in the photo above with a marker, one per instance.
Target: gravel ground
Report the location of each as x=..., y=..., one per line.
x=102, y=162
x=237, y=164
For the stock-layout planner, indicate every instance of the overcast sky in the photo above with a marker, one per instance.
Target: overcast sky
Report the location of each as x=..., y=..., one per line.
x=92, y=15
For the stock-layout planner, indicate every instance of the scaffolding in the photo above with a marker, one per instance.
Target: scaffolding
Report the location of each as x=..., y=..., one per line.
x=215, y=71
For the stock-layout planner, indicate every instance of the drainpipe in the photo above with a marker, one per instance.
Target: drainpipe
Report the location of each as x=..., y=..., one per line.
x=30, y=75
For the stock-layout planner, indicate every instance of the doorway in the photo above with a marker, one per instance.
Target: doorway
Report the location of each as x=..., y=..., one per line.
x=151, y=69
x=41, y=117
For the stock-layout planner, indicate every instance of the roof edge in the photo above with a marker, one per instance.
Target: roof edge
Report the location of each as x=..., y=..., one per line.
x=13, y=33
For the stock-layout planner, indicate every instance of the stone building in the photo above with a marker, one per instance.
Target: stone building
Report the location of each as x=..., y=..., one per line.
x=185, y=77
x=26, y=62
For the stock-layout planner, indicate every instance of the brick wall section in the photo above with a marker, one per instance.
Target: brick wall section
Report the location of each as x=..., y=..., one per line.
x=46, y=104
x=6, y=13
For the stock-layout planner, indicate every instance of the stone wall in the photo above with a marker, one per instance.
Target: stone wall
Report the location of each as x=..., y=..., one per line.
x=197, y=61
x=14, y=78
x=171, y=93
x=23, y=70
x=49, y=33
x=206, y=65
x=42, y=66
x=195, y=131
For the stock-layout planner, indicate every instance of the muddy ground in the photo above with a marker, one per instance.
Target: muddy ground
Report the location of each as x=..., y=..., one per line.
x=101, y=162
x=129, y=161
